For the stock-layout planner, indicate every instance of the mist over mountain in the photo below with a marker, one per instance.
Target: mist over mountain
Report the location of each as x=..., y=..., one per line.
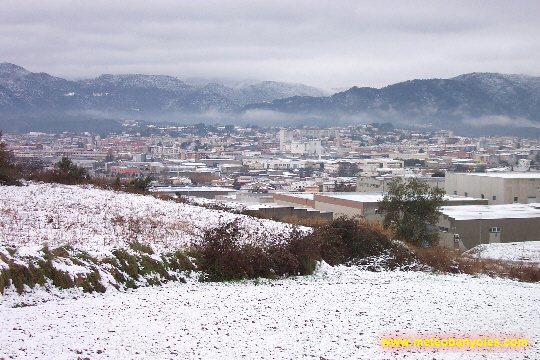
x=485, y=102
x=28, y=98
x=465, y=102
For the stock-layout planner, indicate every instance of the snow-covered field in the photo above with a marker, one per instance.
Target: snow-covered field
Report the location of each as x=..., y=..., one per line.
x=96, y=220
x=526, y=251
x=339, y=313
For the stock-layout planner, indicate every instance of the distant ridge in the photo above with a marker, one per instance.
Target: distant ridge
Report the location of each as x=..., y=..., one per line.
x=24, y=92
x=473, y=100
x=470, y=102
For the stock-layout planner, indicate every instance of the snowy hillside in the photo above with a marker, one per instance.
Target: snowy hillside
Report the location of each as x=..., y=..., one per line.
x=79, y=306
x=55, y=238
x=339, y=313
x=96, y=220
x=525, y=251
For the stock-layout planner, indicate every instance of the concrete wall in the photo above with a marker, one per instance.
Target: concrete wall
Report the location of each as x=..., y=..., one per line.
x=290, y=212
x=337, y=206
x=201, y=194
x=286, y=199
x=477, y=231
x=376, y=184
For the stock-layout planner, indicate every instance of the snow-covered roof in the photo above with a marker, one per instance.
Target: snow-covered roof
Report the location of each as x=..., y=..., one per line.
x=506, y=211
x=192, y=189
x=377, y=196
x=507, y=175
x=360, y=197
x=307, y=196
x=265, y=206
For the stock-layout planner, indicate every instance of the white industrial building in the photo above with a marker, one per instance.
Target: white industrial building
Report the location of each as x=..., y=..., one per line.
x=496, y=187
x=467, y=226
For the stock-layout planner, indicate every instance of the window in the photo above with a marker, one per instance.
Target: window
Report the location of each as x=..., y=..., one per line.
x=494, y=197
x=495, y=229
x=482, y=196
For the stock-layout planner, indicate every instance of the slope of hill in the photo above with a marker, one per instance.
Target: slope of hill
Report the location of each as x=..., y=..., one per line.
x=339, y=313
x=527, y=252
x=56, y=237
x=97, y=220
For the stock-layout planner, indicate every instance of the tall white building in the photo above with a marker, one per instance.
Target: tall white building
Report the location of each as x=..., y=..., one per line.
x=299, y=145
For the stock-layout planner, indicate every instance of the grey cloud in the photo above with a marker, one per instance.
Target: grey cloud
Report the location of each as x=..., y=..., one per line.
x=500, y=120
x=322, y=43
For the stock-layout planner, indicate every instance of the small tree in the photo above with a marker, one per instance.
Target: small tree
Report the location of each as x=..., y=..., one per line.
x=139, y=184
x=411, y=211
x=8, y=171
x=66, y=170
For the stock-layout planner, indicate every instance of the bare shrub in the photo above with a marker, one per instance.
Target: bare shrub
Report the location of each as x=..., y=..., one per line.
x=438, y=258
x=453, y=261
x=222, y=255
x=349, y=239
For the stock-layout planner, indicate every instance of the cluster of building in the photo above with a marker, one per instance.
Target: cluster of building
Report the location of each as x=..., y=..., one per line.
x=492, y=183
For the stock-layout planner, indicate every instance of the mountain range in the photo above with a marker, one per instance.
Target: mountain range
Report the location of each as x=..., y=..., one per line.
x=475, y=101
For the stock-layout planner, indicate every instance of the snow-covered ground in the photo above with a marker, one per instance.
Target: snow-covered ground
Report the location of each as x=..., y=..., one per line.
x=339, y=313
x=96, y=220
x=526, y=251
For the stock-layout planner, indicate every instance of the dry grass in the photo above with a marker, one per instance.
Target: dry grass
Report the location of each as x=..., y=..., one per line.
x=453, y=261
x=302, y=221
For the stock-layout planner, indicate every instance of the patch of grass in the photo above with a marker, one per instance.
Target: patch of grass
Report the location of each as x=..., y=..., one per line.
x=60, y=279
x=440, y=258
x=153, y=281
x=62, y=251
x=4, y=280
x=112, y=268
x=92, y=282
x=149, y=266
x=141, y=248
x=127, y=262
x=84, y=256
x=178, y=261
x=130, y=284
x=23, y=304
x=528, y=273
x=127, y=267
x=446, y=260
x=47, y=254
x=20, y=275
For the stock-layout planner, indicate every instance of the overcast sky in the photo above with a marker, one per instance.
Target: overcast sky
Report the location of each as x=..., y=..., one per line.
x=329, y=44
